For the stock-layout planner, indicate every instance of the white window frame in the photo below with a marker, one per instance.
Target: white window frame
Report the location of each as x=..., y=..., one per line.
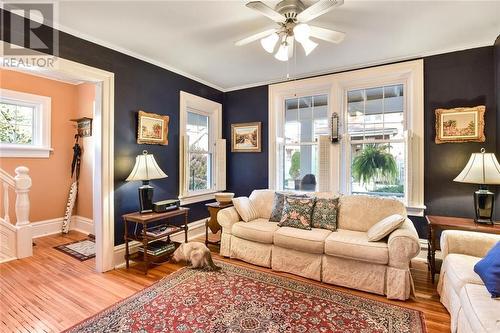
x=193, y=103
x=410, y=72
x=40, y=148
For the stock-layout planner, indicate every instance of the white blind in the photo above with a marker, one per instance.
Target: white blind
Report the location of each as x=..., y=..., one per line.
x=220, y=164
x=324, y=163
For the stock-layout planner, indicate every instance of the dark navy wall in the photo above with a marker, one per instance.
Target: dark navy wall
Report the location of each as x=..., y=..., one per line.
x=138, y=86
x=497, y=92
x=246, y=171
x=454, y=79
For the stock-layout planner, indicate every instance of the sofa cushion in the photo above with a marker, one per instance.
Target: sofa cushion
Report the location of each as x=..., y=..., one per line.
x=279, y=202
x=245, y=209
x=384, y=227
x=459, y=269
x=488, y=270
x=310, y=241
x=359, y=212
x=482, y=311
x=355, y=245
x=260, y=230
x=325, y=214
x=297, y=213
x=262, y=202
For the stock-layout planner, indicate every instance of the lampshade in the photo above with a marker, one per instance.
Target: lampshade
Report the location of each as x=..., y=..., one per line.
x=308, y=45
x=282, y=53
x=146, y=168
x=269, y=42
x=482, y=168
x=301, y=32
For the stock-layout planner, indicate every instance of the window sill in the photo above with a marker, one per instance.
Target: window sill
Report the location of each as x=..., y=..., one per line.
x=24, y=151
x=416, y=210
x=194, y=198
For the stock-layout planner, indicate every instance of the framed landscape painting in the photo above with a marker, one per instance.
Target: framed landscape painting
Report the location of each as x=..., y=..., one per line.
x=460, y=124
x=246, y=138
x=152, y=128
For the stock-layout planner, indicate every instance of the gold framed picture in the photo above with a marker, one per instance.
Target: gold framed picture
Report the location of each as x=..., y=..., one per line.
x=460, y=124
x=246, y=138
x=152, y=128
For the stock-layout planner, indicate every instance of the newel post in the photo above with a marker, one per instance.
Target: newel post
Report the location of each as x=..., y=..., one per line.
x=23, y=185
x=24, y=233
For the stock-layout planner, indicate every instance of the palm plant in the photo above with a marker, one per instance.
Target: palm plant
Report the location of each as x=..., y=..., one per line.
x=373, y=164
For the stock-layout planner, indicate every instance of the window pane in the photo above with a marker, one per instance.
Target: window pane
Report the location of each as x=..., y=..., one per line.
x=197, y=131
x=378, y=169
x=199, y=171
x=16, y=123
x=300, y=167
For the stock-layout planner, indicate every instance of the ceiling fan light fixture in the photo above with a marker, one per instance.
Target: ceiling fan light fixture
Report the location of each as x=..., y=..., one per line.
x=308, y=45
x=282, y=54
x=301, y=32
x=269, y=42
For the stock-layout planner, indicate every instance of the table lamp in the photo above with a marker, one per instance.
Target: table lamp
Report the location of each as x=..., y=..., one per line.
x=145, y=169
x=482, y=169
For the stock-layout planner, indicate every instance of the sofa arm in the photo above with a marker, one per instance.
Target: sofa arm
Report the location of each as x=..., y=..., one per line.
x=403, y=245
x=471, y=243
x=226, y=218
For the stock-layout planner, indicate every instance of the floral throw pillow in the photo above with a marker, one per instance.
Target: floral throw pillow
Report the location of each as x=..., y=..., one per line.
x=297, y=213
x=278, y=203
x=325, y=214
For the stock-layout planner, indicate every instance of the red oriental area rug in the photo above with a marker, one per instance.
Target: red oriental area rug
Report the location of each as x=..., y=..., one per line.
x=239, y=299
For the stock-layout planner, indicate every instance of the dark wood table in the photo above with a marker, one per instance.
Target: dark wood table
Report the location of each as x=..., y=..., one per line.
x=440, y=223
x=212, y=223
x=141, y=236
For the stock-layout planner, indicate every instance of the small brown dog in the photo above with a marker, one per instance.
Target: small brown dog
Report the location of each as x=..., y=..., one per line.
x=197, y=254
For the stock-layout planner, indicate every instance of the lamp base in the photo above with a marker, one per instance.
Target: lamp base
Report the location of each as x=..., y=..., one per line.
x=484, y=202
x=146, y=198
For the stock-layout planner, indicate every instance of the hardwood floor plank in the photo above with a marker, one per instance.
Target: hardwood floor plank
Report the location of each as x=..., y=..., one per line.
x=52, y=291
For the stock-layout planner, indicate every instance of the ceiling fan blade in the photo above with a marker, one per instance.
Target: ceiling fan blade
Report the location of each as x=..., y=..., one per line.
x=319, y=8
x=331, y=36
x=255, y=37
x=266, y=11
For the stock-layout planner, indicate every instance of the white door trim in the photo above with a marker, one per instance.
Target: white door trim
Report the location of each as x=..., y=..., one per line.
x=103, y=133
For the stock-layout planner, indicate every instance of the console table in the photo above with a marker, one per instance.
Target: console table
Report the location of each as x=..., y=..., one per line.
x=141, y=236
x=440, y=223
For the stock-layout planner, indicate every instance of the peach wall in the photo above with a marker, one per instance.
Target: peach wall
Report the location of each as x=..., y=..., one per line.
x=51, y=177
x=85, y=108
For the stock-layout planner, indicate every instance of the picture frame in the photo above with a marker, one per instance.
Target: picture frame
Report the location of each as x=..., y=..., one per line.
x=463, y=124
x=246, y=137
x=152, y=128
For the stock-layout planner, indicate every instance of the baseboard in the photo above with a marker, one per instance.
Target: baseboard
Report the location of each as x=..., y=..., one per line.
x=195, y=229
x=54, y=226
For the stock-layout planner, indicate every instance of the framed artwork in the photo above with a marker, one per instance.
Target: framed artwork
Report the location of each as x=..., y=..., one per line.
x=152, y=128
x=246, y=138
x=460, y=124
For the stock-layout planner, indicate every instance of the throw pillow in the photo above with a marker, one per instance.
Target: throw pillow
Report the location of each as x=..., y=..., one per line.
x=278, y=203
x=297, y=213
x=325, y=214
x=488, y=270
x=245, y=209
x=384, y=227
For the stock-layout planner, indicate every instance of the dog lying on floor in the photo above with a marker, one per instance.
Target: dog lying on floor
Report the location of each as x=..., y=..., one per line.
x=197, y=254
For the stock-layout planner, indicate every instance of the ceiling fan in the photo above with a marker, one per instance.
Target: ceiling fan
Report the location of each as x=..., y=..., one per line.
x=292, y=17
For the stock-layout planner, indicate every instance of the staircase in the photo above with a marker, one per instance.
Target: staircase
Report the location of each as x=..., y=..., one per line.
x=15, y=236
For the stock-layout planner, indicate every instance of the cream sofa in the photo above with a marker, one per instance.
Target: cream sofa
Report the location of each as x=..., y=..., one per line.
x=462, y=291
x=344, y=257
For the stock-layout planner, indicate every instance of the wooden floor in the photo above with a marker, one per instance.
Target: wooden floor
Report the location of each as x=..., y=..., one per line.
x=52, y=291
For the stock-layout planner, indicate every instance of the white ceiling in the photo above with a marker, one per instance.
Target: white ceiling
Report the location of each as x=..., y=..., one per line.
x=196, y=38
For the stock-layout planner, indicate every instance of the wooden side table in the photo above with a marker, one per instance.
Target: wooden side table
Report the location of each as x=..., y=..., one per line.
x=212, y=223
x=440, y=223
x=146, y=219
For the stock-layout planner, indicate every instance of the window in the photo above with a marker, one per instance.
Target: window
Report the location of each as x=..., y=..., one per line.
x=380, y=148
x=202, y=150
x=24, y=124
x=376, y=126
x=306, y=118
